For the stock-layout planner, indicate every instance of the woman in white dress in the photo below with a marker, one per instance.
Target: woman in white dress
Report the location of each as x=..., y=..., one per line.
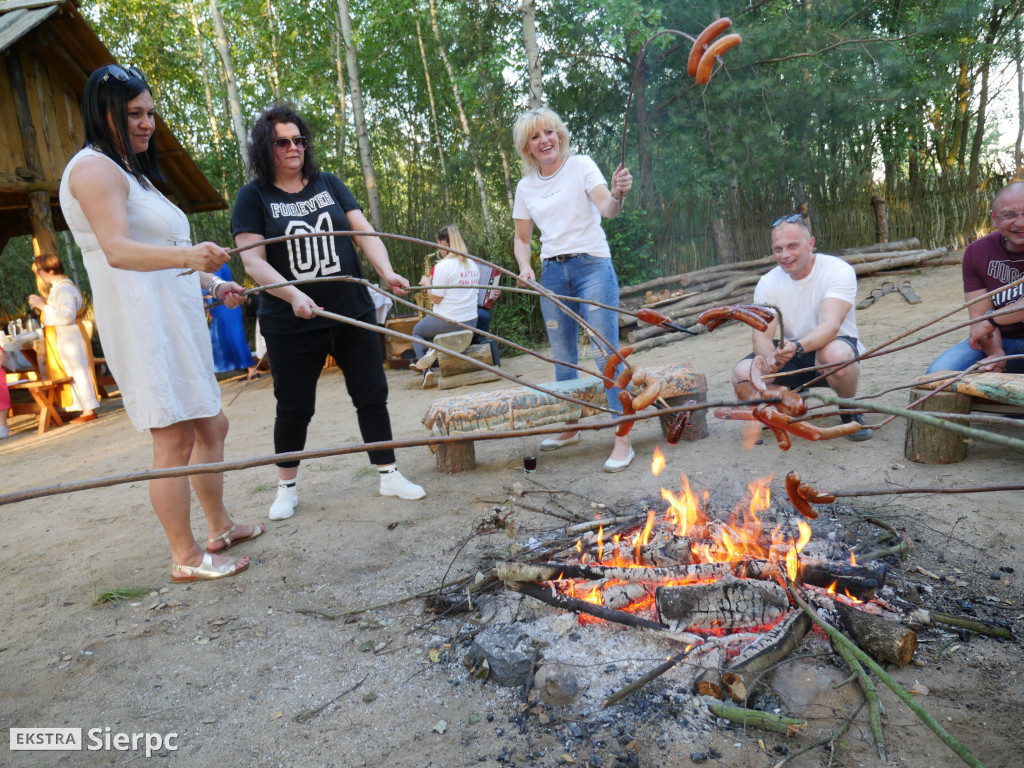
x=135, y=245
x=60, y=311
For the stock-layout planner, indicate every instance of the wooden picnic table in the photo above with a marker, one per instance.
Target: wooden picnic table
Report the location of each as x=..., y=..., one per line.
x=44, y=393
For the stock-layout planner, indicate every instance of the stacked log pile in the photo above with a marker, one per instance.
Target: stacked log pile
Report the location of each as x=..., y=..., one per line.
x=684, y=297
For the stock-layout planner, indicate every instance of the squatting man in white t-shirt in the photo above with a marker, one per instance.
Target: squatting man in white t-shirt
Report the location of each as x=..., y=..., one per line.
x=816, y=294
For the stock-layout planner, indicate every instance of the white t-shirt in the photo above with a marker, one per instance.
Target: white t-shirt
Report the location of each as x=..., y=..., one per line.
x=560, y=206
x=459, y=303
x=800, y=300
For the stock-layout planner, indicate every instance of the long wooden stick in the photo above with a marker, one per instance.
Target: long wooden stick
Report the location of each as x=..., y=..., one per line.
x=644, y=679
x=978, y=434
x=260, y=461
x=388, y=235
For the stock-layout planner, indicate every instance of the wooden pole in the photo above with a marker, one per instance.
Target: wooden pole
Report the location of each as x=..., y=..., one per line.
x=44, y=237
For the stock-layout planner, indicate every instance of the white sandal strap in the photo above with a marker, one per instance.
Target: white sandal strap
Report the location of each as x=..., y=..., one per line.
x=225, y=537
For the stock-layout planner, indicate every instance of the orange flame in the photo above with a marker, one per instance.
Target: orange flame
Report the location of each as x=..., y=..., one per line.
x=684, y=510
x=645, y=536
x=658, y=463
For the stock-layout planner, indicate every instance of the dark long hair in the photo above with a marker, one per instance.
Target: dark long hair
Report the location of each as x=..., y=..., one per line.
x=111, y=96
x=261, y=144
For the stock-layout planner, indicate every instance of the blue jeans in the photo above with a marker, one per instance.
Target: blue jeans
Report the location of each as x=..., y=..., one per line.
x=961, y=357
x=585, y=277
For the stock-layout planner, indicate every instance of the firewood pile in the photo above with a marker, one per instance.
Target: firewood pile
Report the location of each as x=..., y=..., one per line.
x=726, y=595
x=685, y=296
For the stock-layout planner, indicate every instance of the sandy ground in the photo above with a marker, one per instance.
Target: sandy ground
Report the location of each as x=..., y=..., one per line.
x=229, y=665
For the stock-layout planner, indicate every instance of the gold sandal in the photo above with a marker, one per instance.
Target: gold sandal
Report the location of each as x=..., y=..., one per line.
x=207, y=570
x=257, y=530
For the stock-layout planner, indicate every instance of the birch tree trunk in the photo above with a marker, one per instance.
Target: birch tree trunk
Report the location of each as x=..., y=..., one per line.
x=208, y=96
x=1018, y=156
x=533, y=70
x=488, y=228
x=234, y=103
x=362, y=137
x=340, y=123
x=273, y=71
x=433, y=119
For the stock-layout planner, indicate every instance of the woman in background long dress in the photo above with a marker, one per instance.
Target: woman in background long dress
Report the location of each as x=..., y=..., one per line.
x=60, y=312
x=227, y=334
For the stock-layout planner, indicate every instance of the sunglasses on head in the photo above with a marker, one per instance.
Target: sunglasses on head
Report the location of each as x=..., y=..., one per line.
x=793, y=218
x=284, y=142
x=120, y=73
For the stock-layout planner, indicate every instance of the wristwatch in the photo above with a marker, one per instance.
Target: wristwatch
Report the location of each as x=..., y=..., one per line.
x=992, y=320
x=799, y=347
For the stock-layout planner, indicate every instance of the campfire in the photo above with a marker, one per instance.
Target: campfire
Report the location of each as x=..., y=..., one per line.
x=712, y=586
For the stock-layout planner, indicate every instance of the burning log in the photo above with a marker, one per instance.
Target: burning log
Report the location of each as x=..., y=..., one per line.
x=576, y=605
x=727, y=603
x=859, y=581
x=773, y=646
x=880, y=638
x=524, y=572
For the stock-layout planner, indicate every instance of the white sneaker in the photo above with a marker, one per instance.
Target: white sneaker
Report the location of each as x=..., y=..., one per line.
x=394, y=484
x=285, y=503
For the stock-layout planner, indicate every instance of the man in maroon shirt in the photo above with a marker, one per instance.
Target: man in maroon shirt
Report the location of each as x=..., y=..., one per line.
x=991, y=263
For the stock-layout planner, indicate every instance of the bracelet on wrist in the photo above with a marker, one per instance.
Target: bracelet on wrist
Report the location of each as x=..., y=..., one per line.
x=213, y=285
x=992, y=320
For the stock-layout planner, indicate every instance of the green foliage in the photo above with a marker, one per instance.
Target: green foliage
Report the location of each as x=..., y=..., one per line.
x=823, y=103
x=632, y=247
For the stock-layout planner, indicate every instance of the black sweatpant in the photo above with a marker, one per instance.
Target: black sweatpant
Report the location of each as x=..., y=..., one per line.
x=296, y=360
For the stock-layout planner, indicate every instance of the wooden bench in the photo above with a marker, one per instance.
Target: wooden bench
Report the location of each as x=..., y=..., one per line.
x=44, y=392
x=524, y=408
x=1001, y=393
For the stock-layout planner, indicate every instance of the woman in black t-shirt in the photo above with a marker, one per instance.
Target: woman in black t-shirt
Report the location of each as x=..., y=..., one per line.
x=289, y=195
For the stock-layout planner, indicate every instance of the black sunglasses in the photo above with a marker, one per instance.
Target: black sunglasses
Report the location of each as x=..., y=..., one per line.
x=283, y=142
x=120, y=73
x=793, y=218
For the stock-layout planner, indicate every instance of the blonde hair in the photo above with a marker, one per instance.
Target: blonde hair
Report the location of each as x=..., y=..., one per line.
x=528, y=124
x=451, y=235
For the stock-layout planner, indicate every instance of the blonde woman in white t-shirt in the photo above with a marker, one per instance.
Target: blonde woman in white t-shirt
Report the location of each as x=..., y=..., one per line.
x=455, y=305
x=566, y=195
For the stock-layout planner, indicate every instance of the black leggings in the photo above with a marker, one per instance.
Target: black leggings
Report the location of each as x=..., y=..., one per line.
x=296, y=360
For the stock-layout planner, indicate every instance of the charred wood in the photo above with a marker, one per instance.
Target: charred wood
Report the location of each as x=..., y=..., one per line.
x=566, y=603
x=742, y=674
x=882, y=639
x=727, y=603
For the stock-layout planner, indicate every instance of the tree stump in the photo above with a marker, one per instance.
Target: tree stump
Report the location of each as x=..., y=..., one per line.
x=926, y=444
x=696, y=427
x=456, y=457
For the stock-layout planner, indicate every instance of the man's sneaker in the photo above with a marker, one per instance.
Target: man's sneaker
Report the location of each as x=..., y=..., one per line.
x=862, y=434
x=394, y=484
x=286, y=501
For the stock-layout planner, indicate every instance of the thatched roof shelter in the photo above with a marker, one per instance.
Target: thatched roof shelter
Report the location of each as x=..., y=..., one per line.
x=48, y=51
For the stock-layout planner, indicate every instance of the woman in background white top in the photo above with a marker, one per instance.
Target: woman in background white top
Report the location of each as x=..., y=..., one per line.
x=135, y=244
x=566, y=195
x=455, y=304
x=60, y=311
